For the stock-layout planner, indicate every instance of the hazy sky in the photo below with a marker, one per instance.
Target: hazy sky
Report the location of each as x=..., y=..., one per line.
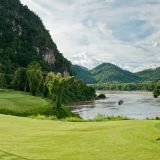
x=89, y=32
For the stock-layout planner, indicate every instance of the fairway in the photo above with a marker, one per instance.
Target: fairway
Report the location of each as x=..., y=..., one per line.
x=21, y=103
x=31, y=139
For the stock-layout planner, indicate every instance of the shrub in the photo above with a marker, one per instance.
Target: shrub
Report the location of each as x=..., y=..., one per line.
x=101, y=96
x=43, y=117
x=62, y=112
x=107, y=118
x=74, y=119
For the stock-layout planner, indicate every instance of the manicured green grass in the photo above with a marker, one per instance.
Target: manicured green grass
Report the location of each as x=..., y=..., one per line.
x=32, y=139
x=21, y=103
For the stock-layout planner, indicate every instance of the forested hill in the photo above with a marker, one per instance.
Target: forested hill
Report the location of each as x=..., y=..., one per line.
x=149, y=74
x=108, y=72
x=23, y=39
x=83, y=73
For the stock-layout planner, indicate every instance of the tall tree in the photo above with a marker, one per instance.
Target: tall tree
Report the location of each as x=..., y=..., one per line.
x=3, y=81
x=20, y=80
x=156, y=91
x=56, y=84
x=35, y=77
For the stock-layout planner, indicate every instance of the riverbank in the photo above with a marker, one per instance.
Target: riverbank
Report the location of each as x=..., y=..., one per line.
x=136, y=105
x=77, y=104
x=112, y=92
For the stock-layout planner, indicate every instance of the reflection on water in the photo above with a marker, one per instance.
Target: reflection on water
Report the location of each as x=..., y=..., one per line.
x=139, y=105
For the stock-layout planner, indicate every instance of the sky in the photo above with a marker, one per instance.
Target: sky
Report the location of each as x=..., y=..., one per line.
x=90, y=32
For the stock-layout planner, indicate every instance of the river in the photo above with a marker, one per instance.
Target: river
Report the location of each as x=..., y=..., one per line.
x=137, y=105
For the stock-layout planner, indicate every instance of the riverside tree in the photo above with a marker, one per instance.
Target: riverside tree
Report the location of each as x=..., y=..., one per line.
x=156, y=91
x=56, y=85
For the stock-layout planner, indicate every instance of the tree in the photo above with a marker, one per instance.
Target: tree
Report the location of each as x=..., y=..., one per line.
x=156, y=91
x=20, y=80
x=56, y=84
x=3, y=82
x=35, y=77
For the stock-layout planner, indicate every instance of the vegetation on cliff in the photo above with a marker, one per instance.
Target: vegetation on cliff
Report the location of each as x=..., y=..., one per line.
x=24, y=39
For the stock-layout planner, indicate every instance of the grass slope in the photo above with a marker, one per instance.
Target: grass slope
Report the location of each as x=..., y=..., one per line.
x=21, y=103
x=31, y=139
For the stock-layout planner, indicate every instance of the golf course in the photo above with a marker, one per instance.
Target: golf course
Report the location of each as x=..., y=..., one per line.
x=32, y=139
x=79, y=80
x=22, y=104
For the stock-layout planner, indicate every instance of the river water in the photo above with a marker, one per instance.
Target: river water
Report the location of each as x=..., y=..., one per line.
x=138, y=105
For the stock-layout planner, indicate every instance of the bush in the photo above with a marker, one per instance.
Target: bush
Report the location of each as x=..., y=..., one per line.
x=74, y=119
x=156, y=118
x=62, y=112
x=101, y=96
x=107, y=118
x=99, y=118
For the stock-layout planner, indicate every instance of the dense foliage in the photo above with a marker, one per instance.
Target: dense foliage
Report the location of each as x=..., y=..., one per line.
x=144, y=86
x=3, y=82
x=20, y=79
x=101, y=96
x=23, y=39
x=156, y=91
x=35, y=78
x=56, y=85
x=78, y=91
x=32, y=79
x=107, y=72
x=149, y=74
x=83, y=74
x=61, y=89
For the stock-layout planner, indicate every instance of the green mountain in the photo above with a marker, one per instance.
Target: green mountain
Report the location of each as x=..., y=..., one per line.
x=149, y=74
x=108, y=72
x=83, y=74
x=23, y=39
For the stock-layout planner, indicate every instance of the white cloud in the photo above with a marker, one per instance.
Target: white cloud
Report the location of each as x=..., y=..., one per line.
x=89, y=32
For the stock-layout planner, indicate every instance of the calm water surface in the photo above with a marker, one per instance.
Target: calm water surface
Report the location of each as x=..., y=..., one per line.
x=139, y=105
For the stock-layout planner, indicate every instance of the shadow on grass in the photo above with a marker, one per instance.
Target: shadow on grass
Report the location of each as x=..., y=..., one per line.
x=9, y=156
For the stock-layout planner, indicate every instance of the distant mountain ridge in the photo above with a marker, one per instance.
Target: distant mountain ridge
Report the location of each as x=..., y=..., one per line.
x=149, y=74
x=83, y=74
x=107, y=72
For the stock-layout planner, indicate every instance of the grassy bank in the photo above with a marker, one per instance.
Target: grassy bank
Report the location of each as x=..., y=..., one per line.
x=25, y=138
x=22, y=104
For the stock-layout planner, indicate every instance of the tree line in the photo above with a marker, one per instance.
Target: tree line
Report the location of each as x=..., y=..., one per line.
x=134, y=86
x=117, y=86
x=61, y=89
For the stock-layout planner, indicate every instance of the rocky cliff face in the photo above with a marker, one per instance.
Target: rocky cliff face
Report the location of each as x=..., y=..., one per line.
x=23, y=39
x=49, y=56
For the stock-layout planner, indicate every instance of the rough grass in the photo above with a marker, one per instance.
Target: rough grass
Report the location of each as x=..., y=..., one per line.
x=98, y=118
x=22, y=104
x=32, y=139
